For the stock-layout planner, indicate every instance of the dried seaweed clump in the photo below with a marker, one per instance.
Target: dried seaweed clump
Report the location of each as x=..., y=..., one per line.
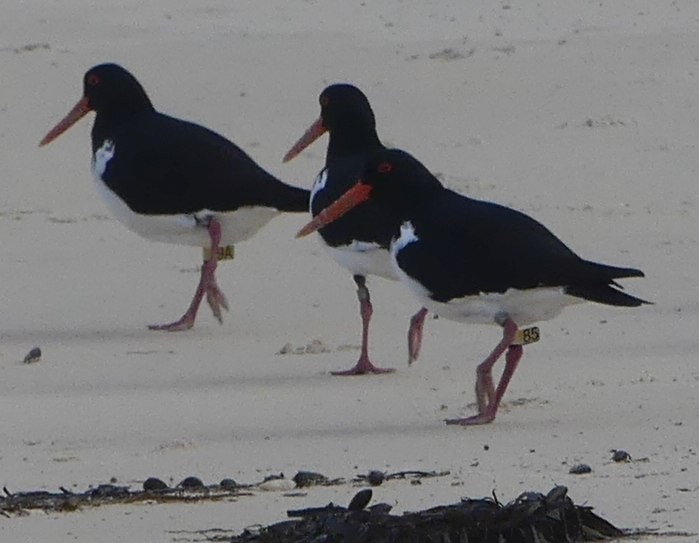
x=531, y=518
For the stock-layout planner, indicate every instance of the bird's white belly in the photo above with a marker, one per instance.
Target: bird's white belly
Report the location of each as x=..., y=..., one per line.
x=185, y=228
x=524, y=307
x=362, y=258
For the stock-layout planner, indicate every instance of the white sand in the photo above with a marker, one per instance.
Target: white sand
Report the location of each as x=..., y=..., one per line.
x=584, y=115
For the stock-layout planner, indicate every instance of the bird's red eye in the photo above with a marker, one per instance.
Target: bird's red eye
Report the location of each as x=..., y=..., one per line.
x=93, y=80
x=384, y=167
x=324, y=101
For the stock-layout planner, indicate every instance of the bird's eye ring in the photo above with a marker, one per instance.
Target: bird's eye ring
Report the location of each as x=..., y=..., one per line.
x=93, y=79
x=324, y=101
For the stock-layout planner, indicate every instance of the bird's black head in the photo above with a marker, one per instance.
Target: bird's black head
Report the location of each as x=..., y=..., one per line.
x=345, y=113
x=397, y=179
x=109, y=90
x=111, y=87
x=397, y=182
x=344, y=107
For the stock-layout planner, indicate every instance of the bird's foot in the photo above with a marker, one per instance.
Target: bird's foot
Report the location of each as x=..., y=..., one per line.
x=185, y=323
x=363, y=367
x=474, y=420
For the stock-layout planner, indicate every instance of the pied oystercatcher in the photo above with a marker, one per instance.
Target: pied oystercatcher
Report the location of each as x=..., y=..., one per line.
x=474, y=261
x=174, y=181
x=359, y=241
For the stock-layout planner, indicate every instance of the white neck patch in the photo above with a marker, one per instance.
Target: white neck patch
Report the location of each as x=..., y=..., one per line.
x=319, y=183
x=102, y=156
x=407, y=236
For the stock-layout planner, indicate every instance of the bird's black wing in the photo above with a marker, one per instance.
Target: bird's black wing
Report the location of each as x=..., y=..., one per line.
x=166, y=166
x=466, y=247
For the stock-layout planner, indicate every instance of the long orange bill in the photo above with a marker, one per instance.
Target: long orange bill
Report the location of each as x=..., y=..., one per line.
x=74, y=115
x=352, y=198
x=314, y=131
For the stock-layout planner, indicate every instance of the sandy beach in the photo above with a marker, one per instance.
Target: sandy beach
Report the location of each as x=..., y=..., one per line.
x=584, y=115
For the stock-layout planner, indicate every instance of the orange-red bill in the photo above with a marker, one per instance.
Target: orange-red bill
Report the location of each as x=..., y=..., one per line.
x=314, y=131
x=74, y=115
x=352, y=198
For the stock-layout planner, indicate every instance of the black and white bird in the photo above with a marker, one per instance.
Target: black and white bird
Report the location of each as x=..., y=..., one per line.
x=474, y=261
x=359, y=241
x=174, y=181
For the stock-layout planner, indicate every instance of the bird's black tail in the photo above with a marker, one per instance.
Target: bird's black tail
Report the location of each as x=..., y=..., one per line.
x=273, y=193
x=605, y=290
x=605, y=294
x=291, y=199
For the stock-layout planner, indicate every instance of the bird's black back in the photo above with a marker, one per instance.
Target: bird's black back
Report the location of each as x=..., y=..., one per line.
x=164, y=165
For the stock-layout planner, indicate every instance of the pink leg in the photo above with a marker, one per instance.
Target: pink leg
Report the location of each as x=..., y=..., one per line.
x=207, y=285
x=363, y=365
x=487, y=396
x=417, y=321
x=216, y=299
x=512, y=358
